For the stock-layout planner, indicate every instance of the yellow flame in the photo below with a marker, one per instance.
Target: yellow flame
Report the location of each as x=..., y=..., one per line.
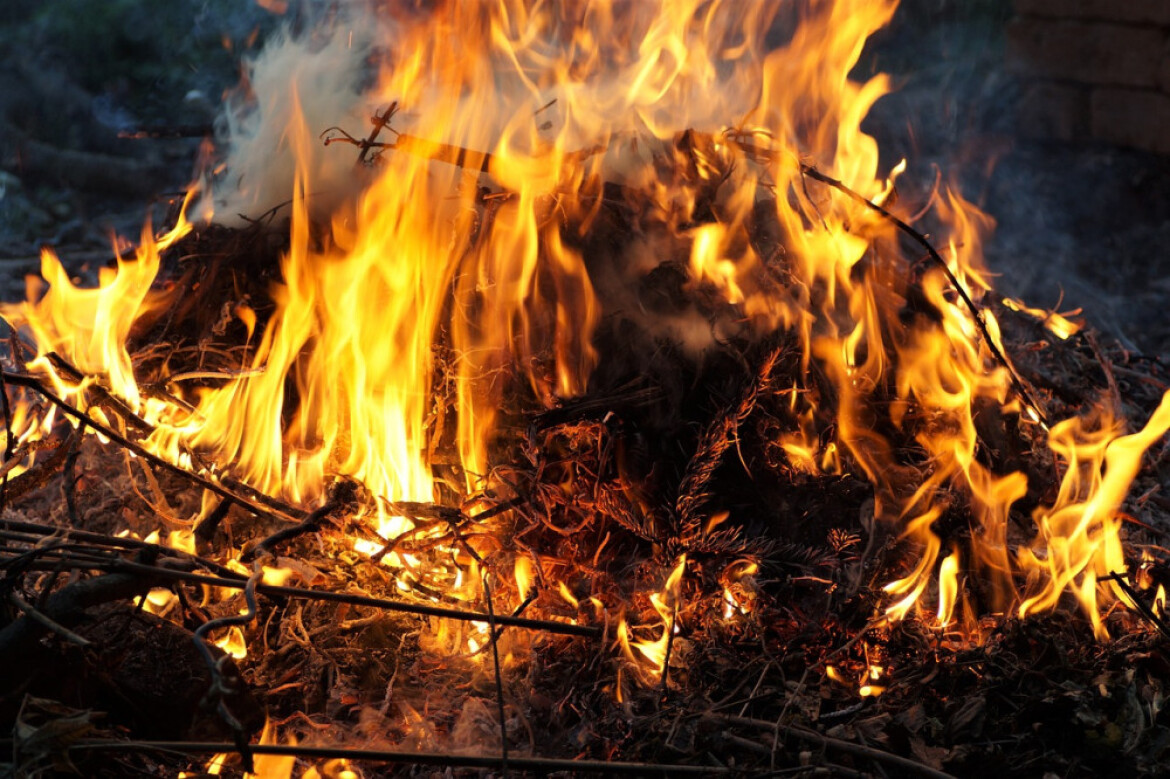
x=277, y=576
x=332, y=769
x=525, y=577
x=158, y=601
x=233, y=643
x=738, y=589
x=650, y=658
x=564, y=591
x=89, y=327
x=272, y=766
x=1058, y=324
x=948, y=588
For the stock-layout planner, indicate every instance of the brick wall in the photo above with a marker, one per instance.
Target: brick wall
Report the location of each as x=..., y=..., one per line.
x=1093, y=70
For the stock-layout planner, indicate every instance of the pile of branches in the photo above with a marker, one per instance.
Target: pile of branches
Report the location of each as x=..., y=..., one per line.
x=604, y=493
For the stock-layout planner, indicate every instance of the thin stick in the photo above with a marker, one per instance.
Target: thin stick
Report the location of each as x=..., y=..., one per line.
x=46, y=621
x=39, y=475
x=206, y=528
x=873, y=623
x=535, y=764
x=221, y=687
x=88, y=421
x=1107, y=369
x=811, y=736
x=487, y=591
x=1132, y=594
x=57, y=551
x=380, y=121
x=435, y=515
x=499, y=633
x=935, y=257
x=69, y=481
x=503, y=620
x=116, y=542
x=310, y=524
x=238, y=488
x=104, y=398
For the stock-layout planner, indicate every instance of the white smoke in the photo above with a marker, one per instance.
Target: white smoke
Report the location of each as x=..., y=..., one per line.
x=328, y=78
x=318, y=75
x=331, y=74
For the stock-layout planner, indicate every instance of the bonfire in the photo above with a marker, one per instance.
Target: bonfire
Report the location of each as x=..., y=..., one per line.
x=531, y=388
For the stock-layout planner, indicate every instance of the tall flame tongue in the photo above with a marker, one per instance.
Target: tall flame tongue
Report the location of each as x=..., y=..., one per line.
x=89, y=327
x=516, y=122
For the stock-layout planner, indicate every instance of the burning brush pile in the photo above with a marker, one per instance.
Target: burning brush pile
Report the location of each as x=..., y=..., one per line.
x=539, y=388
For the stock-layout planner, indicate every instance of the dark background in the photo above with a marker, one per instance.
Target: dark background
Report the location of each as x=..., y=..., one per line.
x=1081, y=224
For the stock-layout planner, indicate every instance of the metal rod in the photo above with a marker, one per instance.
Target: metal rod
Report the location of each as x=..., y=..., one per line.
x=541, y=764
